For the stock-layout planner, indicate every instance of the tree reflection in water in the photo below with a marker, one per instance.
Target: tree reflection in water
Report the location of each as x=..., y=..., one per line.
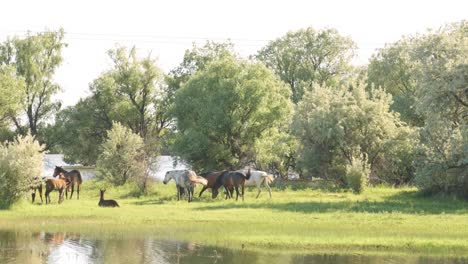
x=69, y=247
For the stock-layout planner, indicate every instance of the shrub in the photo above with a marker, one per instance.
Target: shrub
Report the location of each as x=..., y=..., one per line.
x=20, y=162
x=357, y=174
x=122, y=158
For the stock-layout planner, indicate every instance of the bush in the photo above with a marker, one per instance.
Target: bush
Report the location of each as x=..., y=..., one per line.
x=20, y=162
x=123, y=158
x=356, y=175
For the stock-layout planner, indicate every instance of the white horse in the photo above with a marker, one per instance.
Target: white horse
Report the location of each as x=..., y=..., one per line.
x=257, y=178
x=185, y=179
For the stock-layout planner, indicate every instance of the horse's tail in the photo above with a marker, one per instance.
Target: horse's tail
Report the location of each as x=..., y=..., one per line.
x=78, y=178
x=196, y=179
x=269, y=178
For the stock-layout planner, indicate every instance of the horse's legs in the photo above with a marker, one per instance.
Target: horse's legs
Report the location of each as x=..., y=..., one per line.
x=227, y=192
x=203, y=189
x=178, y=192
x=268, y=188
x=72, y=190
x=78, y=191
x=47, y=196
x=242, y=188
x=190, y=193
x=33, y=195
x=259, y=187
x=237, y=192
x=40, y=192
x=60, y=191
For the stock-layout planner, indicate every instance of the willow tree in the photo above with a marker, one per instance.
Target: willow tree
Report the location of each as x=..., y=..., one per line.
x=307, y=56
x=442, y=95
x=35, y=58
x=226, y=112
x=336, y=126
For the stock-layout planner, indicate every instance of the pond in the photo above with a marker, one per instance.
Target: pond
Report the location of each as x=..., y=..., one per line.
x=68, y=247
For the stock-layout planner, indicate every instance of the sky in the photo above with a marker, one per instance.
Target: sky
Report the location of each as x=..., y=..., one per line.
x=167, y=28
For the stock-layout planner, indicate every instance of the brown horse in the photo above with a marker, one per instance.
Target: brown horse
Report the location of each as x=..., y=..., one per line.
x=59, y=184
x=36, y=185
x=211, y=177
x=74, y=178
x=231, y=180
x=106, y=203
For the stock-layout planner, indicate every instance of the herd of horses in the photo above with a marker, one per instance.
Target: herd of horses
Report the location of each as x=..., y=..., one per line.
x=230, y=181
x=67, y=180
x=185, y=180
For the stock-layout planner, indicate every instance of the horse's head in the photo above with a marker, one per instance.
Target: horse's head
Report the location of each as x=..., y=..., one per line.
x=167, y=177
x=57, y=171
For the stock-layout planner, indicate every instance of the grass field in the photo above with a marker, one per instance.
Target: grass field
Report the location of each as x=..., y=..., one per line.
x=298, y=218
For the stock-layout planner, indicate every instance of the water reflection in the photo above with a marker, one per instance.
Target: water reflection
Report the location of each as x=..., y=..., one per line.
x=69, y=247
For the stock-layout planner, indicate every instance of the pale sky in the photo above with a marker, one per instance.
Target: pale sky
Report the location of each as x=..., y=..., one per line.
x=168, y=28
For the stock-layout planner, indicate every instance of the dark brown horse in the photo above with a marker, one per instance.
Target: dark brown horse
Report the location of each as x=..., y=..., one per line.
x=60, y=184
x=74, y=177
x=36, y=185
x=231, y=180
x=106, y=203
x=211, y=177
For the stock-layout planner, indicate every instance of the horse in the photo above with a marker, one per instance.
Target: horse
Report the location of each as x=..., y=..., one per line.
x=211, y=178
x=231, y=180
x=74, y=177
x=185, y=179
x=106, y=203
x=258, y=178
x=36, y=185
x=59, y=184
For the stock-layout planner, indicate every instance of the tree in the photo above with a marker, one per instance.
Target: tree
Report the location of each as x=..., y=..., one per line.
x=442, y=95
x=394, y=69
x=11, y=89
x=20, y=162
x=131, y=92
x=35, y=59
x=78, y=131
x=227, y=111
x=308, y=56
x=122, y=157
x=337, y=125
x=197, y=59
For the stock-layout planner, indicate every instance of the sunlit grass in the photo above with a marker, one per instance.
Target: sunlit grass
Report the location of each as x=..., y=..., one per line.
x=298, y=218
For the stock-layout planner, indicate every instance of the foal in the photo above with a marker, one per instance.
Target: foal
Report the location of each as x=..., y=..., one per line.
x=107, y=203
x=74, y=177
x=59, y=184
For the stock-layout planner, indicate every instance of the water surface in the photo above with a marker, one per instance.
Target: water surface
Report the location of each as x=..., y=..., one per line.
x=69, y=247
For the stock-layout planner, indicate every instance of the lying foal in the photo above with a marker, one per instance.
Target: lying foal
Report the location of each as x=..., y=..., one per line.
x=107, y=203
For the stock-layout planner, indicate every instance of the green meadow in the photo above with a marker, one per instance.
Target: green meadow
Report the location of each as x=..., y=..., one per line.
x=299, y=218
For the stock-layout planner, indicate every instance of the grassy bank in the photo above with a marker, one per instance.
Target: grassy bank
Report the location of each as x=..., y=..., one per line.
x=298, y=218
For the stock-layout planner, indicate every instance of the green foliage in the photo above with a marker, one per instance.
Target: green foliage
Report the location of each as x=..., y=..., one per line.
x=197, y=59
x=357, y=174
x=20, y=162
x=443, y=100
x=307, y=56
x=335, y=125
x=122, y=157
x=78, y=131
x=226, y=112
x=394, y=69
x=35, y=58
x=12, y=91
x=131, y=93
